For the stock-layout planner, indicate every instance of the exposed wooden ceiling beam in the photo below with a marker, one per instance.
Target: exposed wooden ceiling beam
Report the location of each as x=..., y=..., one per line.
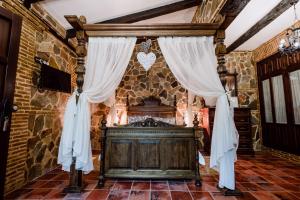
x=27, y=3
x=267, y=19
x=231, y=10
x=147, y=14
x=155, y=12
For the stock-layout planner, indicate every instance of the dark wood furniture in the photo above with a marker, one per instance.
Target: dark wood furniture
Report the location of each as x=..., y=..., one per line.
x=152, y=106
x=242, y=119
x=281, y=136
x=150, y=148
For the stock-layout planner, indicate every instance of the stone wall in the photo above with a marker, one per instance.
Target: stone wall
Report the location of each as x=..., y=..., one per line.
x=36, y=126
x=243, y=63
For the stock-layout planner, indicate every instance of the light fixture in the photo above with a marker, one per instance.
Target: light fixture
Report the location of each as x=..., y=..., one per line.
x=291, y=43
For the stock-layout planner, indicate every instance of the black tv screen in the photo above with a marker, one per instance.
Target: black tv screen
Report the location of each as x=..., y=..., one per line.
x=54, y=79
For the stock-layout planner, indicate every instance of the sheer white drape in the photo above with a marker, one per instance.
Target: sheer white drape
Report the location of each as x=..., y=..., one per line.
x=193, y=62
x=267, y=101
x=279, y=101
x=189, y=111
x=295, y=87
x=107, y=60
x=111, y=117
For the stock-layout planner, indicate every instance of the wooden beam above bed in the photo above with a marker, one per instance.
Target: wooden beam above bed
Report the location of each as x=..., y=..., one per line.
x=154, y=30
x=154, y=12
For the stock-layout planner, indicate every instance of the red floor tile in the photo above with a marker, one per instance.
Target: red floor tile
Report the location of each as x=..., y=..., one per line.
x=263, y=195
x=160, y=195
x=139, y=195
x=220, y=196
x=159, y=185
x=122, y=186
x=260, y=177
x=56, y=194
x=118, y=195
x=201, y=196
x=141, y=186
x=38, y=194
x=179, y=186
x=270, y=187
x=98, y=195
x=285, y=196
x=246, y=196
x=249, y=187
x=180, y=195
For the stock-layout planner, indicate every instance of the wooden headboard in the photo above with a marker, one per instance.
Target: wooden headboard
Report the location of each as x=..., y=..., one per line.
x=152, y=106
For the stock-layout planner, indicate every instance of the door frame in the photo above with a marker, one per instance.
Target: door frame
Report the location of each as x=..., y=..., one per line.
x=9, y=86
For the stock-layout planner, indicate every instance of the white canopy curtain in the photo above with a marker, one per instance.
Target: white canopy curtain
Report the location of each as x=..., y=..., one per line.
x=193, y=62
x=189, y=111
x=107, y=60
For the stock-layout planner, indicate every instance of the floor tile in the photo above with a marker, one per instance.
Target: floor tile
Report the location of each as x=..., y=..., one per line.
x=201, y=196
x=178, y=186
x=180, y=195
x=261, y=177
x=35, y=184
x=285, y=196
x=220, y=196
x=159, y=185
x=122, y=186
x=77, y=196
x=56, y=194
x=246, y=196
x=118, y=195
x=141, y=186
x=19, y=194
x=107, y=185
x=139, y=195
x=290, y=187
x=53, y=184
x=263, y=195
x=160, y=195
x=249, y=187
x=270, y=187
x=98, y=195
x=37, y=194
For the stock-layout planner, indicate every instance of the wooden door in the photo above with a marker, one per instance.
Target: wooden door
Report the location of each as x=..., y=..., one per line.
x=10, y=26
x=281, y=130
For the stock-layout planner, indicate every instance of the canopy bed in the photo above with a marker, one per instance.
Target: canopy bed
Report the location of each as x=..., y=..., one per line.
x=189, y=52
x=148, y=148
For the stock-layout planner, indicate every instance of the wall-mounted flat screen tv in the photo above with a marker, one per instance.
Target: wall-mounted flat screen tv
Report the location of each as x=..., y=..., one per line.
x=54, y=79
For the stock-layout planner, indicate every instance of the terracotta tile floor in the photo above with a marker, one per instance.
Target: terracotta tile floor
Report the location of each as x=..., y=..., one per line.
x=260, y=177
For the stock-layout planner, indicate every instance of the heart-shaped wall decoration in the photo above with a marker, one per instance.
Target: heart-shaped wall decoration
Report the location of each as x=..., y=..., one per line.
x=146, y=60
x=145, y=46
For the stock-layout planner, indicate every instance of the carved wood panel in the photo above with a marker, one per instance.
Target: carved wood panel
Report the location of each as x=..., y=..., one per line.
x=122, y=151
x=178, y=154
x=148, y=154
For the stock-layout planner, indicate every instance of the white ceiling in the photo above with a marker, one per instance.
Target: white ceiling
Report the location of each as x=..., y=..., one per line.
x=182, y=16
x=101, y=10
x=252, y=13
x=98, y=10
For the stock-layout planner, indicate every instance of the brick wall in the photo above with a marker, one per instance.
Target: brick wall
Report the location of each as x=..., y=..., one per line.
x=35, y=128
x=270, y=47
